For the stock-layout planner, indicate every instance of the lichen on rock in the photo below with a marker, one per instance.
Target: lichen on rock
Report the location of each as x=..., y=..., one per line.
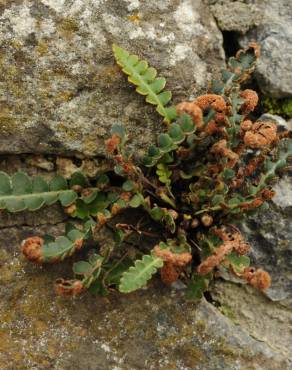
x=59, y=89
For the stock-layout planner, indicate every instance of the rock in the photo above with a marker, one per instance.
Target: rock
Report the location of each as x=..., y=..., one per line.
x=281, y=122
x=276, y=57
x=270, y=235
x=60, y=90
x=153, y=328
x=236, y=16
x=269, y=23
x=255, y=314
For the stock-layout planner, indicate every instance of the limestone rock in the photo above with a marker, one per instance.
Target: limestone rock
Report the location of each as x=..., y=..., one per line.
x=60, y=90
x=274, y=65
x=153, y=329
x=269, y=23
x=236, y=16
x=270, y=235
x=255, y=314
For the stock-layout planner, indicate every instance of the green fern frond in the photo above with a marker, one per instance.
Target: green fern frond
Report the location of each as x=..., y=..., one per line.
x=197, y=286
x=19, y=192
x=272, y=167
x=164, y=174
x=168, y=142
x=55, y=250
x=144, y=77
x=138, y=275
x=89, y=270
x=237, y=262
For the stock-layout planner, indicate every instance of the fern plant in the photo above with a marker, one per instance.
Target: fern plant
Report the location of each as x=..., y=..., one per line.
x=147, y=83
x=210, y=167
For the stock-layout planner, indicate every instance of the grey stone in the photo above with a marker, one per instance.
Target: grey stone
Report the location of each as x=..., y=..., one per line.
x=270, y=235
x=255, y=314
x=274, y=66
x=269, y=23
x=154, y=328
x=236, y=16
x=280, y=121
x=60, y=90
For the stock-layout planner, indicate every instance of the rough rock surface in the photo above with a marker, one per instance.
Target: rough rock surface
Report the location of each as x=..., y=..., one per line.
x=39, y=330
x=270, y=235
x=236, y=16
x=255, y=314
x=269, y=23
x=60, y=91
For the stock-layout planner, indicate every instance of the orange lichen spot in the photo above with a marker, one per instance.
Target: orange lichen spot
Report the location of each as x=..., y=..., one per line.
x=31, y=248
x=177, y=259
x=214, y=101
x=261, y=134
x=169, y=273
x=135, y=18
x=68, y=287
x=193, y=110
x=112, y=143
x=259, y=279
x=250, y=101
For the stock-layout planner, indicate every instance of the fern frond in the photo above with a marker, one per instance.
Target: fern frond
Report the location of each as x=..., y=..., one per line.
x=164, y=173
x=168, y=142
x=89, y=270
x=197, y=286
x=271, y=167
x=52, y=250
x=19, y=192
x=138, y=275
x=144, y=77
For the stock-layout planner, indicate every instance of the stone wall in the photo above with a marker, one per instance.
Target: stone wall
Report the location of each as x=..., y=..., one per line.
x=60, y=92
